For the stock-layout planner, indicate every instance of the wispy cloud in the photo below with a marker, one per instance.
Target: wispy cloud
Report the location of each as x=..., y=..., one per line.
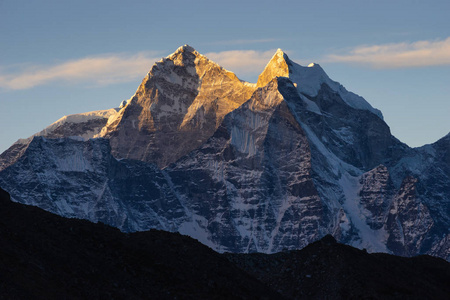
x=242, y=62
x=400, y=55
x=96, y=70
x=116, y=68
x=242, y=42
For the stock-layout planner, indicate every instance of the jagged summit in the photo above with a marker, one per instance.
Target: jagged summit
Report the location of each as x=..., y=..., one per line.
x=309, y=80
x=182, y=49
x=315, y=65
x=185, y=52
x=180, y=103
x=186, y=47
x=277, y=67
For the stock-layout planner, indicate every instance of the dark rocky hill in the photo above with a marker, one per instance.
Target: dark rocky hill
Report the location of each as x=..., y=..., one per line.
x=45, y=256
x=326, y=269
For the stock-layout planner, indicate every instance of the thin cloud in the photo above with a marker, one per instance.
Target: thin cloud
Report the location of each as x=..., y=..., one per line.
x=400, y=55
x=242, y=62
x=116, y=68
x=99, y=70
x=242, y=42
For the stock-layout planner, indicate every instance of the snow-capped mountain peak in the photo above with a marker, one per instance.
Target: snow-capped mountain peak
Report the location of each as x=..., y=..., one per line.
x=277, y=67
x=309, y=80
x=186, y=48
x=241, y=167
x=180, y=102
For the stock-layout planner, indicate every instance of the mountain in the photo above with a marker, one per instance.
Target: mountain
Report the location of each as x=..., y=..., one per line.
x=45, y=256
x=241, y=167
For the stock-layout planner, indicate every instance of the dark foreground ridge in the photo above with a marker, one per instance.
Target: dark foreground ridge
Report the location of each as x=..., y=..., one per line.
x=44, y=256
x=328, y=270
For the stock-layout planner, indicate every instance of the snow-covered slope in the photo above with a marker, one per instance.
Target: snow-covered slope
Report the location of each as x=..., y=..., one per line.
x=84, y=125
x=241, y=167
x=309, y=80
x=81, y=126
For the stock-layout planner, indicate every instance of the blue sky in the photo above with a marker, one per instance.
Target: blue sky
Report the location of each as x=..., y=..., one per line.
x=64, y=57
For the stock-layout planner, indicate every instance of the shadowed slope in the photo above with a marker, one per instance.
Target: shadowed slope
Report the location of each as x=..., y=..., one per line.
x=44, y=256
x=328, y=270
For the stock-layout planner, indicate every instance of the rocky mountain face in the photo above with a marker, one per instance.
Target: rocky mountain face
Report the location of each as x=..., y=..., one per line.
x=45, y=256
x=177, y=107
x=242, y=167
